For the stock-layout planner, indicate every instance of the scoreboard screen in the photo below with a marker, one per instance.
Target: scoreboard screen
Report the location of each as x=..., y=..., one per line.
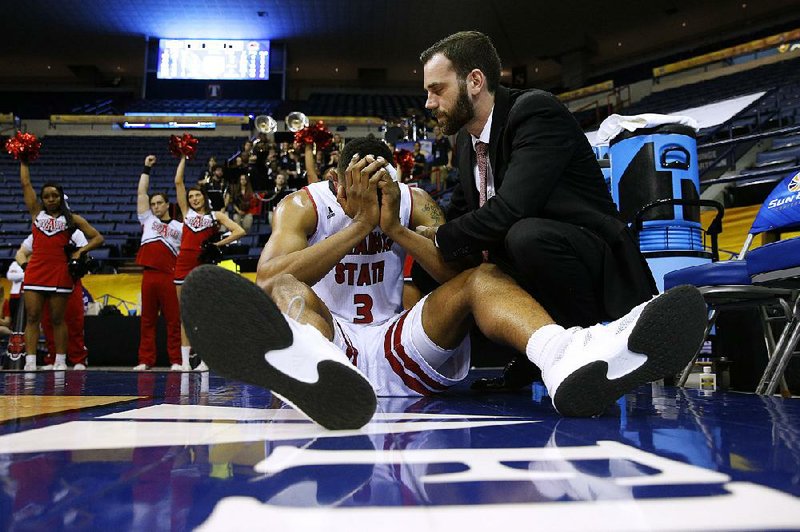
x=213, y=59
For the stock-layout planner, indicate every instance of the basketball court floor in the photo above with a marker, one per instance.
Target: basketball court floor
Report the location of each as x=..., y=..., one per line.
x=121, y=450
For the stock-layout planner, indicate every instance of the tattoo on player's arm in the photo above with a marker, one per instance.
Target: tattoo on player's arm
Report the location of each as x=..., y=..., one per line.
x=434, y=212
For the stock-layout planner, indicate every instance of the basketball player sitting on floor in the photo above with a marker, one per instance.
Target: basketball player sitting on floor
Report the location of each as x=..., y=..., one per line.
x=323, y=327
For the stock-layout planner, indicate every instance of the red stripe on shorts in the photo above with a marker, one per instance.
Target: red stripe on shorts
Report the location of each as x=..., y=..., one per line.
x=397, y=367
x=409, y=363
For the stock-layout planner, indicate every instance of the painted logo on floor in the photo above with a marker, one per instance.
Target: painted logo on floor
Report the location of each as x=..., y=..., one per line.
x=424, y=471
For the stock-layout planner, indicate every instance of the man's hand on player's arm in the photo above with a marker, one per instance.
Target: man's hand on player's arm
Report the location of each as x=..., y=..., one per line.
x=426, y=212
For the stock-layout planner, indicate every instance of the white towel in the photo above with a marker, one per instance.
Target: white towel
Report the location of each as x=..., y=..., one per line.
x=616, y=124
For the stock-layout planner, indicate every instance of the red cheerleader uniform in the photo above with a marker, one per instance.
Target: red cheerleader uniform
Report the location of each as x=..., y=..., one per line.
x=73, y=314
x=197, y=228
x=157, y=253
x=47, y=269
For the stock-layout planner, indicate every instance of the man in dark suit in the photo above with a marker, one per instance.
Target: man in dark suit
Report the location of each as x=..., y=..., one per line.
x=531, y=197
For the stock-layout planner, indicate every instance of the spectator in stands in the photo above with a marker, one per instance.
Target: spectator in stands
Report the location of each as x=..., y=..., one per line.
x=77, y=354
x=280, y=191
x=205, y=176
x=420, y=163
x=201, y=228
x=330, y=155
x=216, y=188
x=246, y=152
x=238, y=163
x=337, y=144
x=531, y=195
x=320, y=161
x=161, y=240
x=47, y=277
x=286, y=160
x=333, y=158
x=259, y=165
x=442, y=160
x=312, y=163
x=245, y=203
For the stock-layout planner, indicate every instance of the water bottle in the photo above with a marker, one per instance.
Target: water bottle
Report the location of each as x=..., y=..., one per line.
x=708, y=380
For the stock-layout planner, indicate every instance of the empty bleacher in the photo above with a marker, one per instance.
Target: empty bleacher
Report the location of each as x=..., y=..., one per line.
x=781, y=106
x=382, y=105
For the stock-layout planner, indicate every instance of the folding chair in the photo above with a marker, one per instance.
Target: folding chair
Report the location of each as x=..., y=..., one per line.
x=767, y=277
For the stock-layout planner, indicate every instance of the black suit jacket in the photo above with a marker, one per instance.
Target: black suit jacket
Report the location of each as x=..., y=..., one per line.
x=543, y=167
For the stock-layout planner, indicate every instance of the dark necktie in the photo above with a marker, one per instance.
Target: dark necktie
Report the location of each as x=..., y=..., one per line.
x=481, y=149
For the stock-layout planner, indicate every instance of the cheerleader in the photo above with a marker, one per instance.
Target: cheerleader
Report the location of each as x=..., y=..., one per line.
x=47, y=277
x=161, y=240
x=201, y=226
x=77, y=353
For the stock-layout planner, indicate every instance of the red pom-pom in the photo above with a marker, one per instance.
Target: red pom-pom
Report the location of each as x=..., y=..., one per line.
x=24, y=147
x=304, y=136
x=322, y=137
x=404, y=160
x=183, y=145
x=316, y=134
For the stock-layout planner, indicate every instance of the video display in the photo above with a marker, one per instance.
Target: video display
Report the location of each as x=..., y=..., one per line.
x=213, y=59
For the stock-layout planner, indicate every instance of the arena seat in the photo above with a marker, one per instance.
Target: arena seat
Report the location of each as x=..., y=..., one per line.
x=119, y=217
x=778, y=156
x=786, y=142
x=15, y=227
x=772, y=281
x=129, y=228
x=100, y=253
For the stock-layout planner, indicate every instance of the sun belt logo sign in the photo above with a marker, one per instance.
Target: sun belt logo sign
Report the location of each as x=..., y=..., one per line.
x=794, y=184
x=785, y=199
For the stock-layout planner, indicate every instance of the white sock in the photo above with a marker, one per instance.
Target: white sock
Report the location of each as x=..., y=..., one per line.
x=541, y=348
x=185, y=350
x=61, y=359
x=30, y=359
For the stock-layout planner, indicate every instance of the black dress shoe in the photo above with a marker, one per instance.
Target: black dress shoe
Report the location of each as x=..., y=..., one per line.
x=518, y=373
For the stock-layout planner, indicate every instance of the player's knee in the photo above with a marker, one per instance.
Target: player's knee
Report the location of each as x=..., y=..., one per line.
x=482, y=278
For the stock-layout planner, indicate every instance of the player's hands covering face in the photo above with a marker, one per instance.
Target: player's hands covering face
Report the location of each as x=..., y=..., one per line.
x=358, y=195
x=390, y=204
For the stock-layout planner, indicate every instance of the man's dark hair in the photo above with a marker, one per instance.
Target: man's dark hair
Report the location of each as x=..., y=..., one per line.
x=162, y=194
x=363, y=146
x=468, y=50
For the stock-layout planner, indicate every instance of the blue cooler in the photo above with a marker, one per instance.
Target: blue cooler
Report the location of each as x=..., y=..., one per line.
x=601, y=153
x=660, y=163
